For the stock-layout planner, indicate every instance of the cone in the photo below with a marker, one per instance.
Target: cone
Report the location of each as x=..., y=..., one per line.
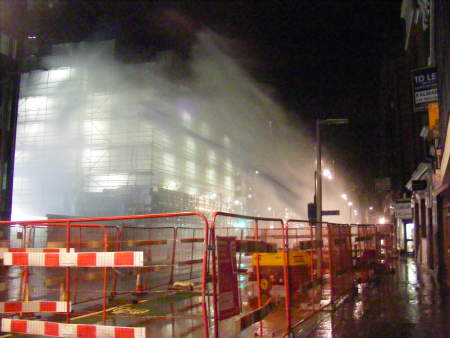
x=139, y=287
x=26, y=293
x=62, y=293
x=139, y=290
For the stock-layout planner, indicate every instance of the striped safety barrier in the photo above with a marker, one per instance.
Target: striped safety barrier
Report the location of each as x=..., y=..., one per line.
x=47, y=250
x=52, y=329
x=14, y=307
x=79, y=259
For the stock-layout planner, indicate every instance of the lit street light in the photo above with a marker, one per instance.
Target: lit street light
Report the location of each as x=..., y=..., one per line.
x=344, y=197
x=327, y=173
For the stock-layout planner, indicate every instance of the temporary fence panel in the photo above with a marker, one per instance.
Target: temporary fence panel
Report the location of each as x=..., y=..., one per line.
x=249, y=275
x=364, y=242
x=169, y=284
x=309, y=282
x=341, y=265
x=157, y=244
x=386, y=247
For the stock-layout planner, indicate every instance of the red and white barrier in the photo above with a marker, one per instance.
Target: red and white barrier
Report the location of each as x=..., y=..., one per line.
x=80, y=259
x=15, y=307
x=47, y=250
x=52, y=329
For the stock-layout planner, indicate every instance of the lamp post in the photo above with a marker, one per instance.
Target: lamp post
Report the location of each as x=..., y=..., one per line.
x=318, y=182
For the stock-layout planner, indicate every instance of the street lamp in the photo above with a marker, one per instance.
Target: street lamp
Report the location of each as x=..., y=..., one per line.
x=318, y=182
x=318, y=175
x=327, y=173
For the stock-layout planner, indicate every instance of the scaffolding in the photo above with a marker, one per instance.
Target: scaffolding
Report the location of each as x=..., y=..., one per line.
x=132, y=141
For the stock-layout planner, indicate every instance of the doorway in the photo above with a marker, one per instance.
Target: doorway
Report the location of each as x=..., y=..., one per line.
x=408, y=230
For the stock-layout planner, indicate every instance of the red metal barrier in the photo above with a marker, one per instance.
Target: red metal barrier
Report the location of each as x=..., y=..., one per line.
x=340, y=256
x=386, y=247
x=365, y=252
x=258, y=274
x=310, y=289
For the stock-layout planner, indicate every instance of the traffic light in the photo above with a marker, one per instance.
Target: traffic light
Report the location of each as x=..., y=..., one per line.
x=312, y=211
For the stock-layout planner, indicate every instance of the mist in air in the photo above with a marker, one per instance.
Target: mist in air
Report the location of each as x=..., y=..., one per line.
x=99, y=137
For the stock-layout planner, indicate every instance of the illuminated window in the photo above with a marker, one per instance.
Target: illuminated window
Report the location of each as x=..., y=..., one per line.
x=190, y=146
x=228, y=182
x=212, y=156
x=228, y=165
x=210, y=176
x=169, y=162
x=59, y=74
x=190, y=169
x=36, y=103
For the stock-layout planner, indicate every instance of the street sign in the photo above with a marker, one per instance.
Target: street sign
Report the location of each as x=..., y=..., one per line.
x=403, y=210
x=424, y=84
x=330, y=213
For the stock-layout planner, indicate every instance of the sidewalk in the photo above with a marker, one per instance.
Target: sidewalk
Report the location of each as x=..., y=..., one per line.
x=406, y=304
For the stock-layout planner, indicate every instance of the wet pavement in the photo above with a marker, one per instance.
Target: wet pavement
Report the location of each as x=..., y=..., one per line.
x=404, y=304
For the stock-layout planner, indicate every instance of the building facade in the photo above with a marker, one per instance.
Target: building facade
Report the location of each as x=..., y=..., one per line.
x=415, y=104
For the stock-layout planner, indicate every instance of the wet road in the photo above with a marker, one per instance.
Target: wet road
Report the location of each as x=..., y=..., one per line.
x=405, y=304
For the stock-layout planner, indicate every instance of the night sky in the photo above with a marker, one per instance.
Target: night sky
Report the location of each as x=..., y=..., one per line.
x=322, y=58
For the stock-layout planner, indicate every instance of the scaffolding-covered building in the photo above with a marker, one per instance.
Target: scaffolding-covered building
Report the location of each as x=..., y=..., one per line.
x=99, y=137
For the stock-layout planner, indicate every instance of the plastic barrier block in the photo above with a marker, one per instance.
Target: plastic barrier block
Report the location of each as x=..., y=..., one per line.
x=14, y=307
x=80, y=259
x=52, y=329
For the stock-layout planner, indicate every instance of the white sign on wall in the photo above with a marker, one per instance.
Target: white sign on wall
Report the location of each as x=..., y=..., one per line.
x=403, y=210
